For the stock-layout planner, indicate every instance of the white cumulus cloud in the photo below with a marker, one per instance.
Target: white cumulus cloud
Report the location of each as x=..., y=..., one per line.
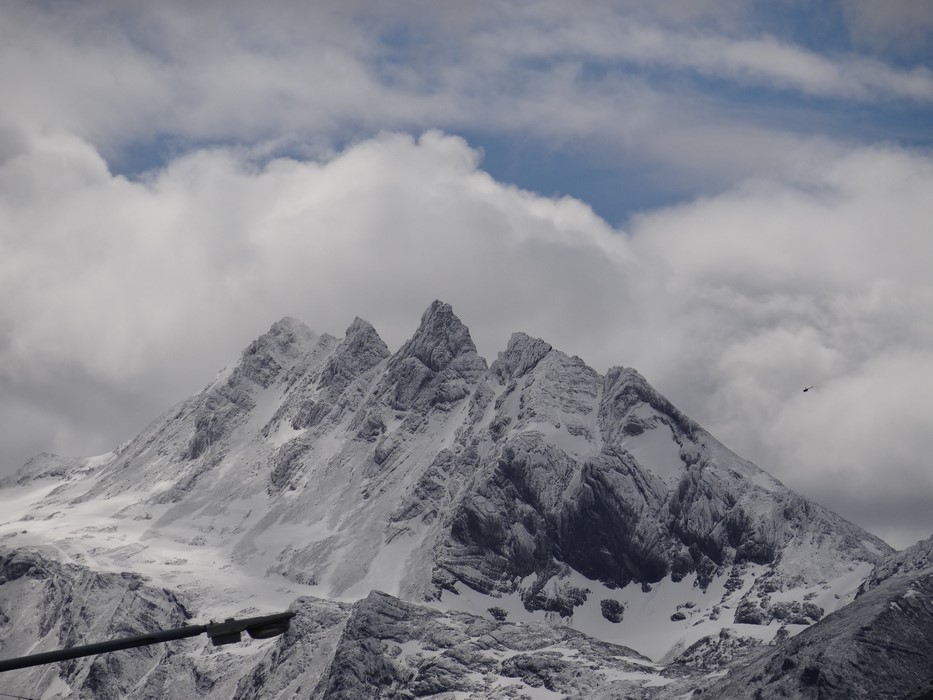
x=133, y=293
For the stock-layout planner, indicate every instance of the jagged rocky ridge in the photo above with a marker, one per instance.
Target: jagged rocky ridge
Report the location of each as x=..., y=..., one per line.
x=383, y=647
x=379, y=647
x=535, y=486
x=46, y=605
x=879, y=646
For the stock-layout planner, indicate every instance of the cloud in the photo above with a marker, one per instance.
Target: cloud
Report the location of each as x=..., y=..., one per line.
x=110, y=275
x=901, y=26
x=317, y=75
x=856, y=444
x=755, y=60
x=770, y=288
x=133, y=293
x=796, y=258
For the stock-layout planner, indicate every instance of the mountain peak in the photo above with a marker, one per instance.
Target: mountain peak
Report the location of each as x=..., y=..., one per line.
x=437, y=307
x=521, y=355
x=362, y=337
x=360, y=350
x=437, y=366
x=289, y=323
x=359, y=325
x=439, y=339
x=625, y=389
x=285, y=341
x=287, y=336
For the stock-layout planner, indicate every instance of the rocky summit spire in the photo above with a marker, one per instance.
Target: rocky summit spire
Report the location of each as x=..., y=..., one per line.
x=522, y=355
x=286, y=341
x=264, y=362
x=439, y=339
x=438, y=365
x=624, y=391
x=362, y=341
x=360, y=350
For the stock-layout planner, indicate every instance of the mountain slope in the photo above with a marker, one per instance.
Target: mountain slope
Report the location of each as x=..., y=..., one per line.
x=880, y=646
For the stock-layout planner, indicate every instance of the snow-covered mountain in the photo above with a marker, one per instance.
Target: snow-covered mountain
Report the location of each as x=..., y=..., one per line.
x=328, y=468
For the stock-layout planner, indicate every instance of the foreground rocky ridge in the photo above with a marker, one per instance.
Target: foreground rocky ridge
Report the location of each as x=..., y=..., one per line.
x=535, y=486
x=879, y=646
x=46, y=605
x=379, y=647
x=383, y=647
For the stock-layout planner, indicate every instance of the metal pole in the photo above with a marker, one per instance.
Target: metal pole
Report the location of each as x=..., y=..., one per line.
x=225, y=632
x=49, y=657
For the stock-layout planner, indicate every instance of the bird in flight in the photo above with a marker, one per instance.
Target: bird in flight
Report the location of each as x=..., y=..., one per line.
x=807, y=388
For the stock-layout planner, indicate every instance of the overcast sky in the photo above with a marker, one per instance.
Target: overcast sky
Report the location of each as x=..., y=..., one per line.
x=736, y=202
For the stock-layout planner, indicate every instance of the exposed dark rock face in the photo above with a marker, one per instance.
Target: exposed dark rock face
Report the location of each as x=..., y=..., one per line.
x=714, y=653
x=288, y=460
x=301, y=656
x=612, y=610
x=497, y=613
x=509, y=522
x=371, y=429
x=750, y=612
x=219, y=414
x=552, y=594
x=608, y=530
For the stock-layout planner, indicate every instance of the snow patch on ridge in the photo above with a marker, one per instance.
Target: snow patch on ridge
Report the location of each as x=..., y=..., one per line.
x=656, y=451
x=388, y=569
x=647, y=625
x=579, y=445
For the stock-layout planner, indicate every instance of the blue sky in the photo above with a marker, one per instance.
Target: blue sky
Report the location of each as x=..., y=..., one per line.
x=614, y=178
x=733, y=199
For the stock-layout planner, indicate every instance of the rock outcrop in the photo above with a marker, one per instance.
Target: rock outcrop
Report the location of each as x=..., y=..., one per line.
x=879, y=646
x=437, y=367
x=46, y=605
